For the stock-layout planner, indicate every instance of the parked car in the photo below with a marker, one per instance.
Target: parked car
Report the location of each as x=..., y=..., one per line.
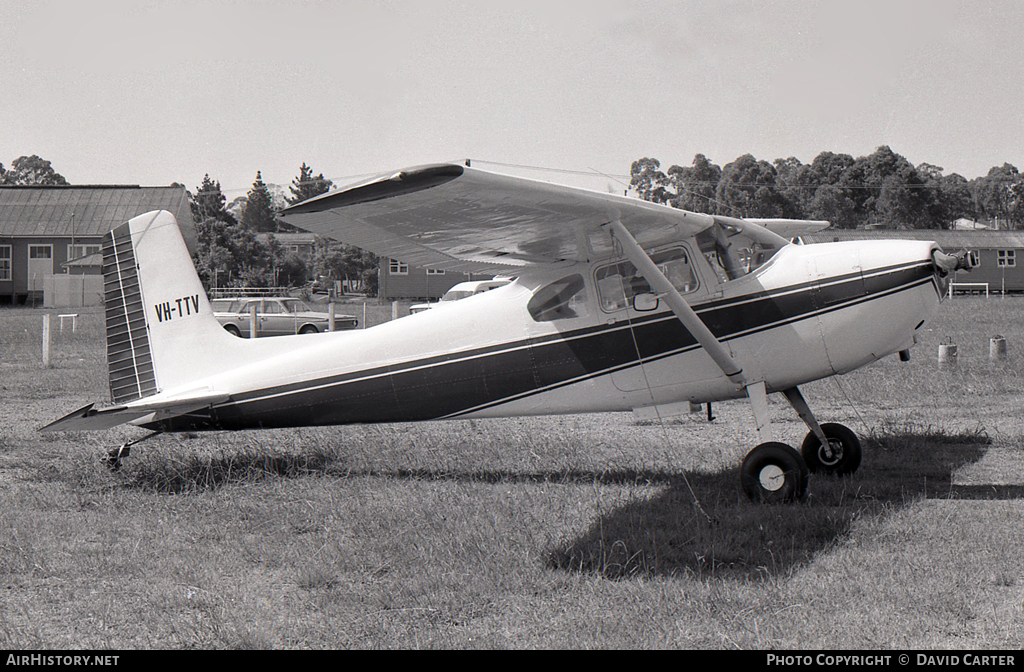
x=461, y=291
x=276, y=316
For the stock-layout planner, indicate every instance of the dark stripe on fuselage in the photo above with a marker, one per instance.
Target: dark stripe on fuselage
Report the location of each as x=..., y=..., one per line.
x=456, y=383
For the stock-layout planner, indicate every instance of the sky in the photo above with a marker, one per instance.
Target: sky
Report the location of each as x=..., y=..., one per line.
x=568, y=91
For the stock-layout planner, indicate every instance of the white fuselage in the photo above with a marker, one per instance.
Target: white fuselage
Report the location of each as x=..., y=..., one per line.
x=810, y=312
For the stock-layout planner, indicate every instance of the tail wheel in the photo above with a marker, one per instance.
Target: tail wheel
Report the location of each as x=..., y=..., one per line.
x=774, y=472
x=843, y=454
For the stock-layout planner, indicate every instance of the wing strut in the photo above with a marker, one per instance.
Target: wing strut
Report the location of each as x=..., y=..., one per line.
x=716, y=350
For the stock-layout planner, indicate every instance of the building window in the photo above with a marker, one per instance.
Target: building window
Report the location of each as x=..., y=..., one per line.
x=1006, y=258
x=435, y=271
x=398, y=268
x=79, y=251
x=5, y=262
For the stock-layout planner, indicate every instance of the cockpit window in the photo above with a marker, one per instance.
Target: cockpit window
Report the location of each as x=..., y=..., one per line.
x=735, y=250
x=559, y=300
x=619, y=283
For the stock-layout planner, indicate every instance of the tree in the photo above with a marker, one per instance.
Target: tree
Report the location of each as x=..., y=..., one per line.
x=209, y=203
x=287, y=269
x=228, y=255
x=829, y=167
x=648, y=182
x=32, y=170
x=831, y=203
x=994, y=194
x=748, y=187
x=880, y=188
x=695, y=185
x=888, y=190
x=1016, y=202
x=335, y=261
x=307, y=186
x=951, y=196
x=258, y=213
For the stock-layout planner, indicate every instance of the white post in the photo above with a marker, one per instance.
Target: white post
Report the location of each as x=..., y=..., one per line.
x=253, y=308
x=330, y=316
x=46, y=341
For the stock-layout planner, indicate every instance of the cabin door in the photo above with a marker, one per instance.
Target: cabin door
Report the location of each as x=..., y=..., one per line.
x=653, y=334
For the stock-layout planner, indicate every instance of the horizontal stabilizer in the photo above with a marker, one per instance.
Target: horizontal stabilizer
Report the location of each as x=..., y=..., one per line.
x=88, y=418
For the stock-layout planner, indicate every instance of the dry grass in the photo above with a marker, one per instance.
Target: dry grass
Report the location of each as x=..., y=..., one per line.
x=563, y=532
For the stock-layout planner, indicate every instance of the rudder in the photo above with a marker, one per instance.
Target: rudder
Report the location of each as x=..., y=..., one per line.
x=161, y=331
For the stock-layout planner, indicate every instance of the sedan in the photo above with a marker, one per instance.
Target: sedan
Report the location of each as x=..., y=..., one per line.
x=275, y=316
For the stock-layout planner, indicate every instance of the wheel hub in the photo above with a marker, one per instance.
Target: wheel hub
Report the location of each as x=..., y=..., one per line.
x=832, y=454
x=772, y=478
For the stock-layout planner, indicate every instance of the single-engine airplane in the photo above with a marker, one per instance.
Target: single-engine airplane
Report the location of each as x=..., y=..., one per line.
x=618, y=304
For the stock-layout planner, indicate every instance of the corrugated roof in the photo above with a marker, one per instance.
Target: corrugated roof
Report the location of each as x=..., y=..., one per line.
x=947, y=239
x=47, y=211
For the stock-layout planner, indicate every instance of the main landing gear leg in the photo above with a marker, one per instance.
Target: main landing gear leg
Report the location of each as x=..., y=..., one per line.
x=830, y=448
x=773, y=471
x=115, y=455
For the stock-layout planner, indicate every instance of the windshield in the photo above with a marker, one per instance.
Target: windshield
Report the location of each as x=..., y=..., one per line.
x=735, y=248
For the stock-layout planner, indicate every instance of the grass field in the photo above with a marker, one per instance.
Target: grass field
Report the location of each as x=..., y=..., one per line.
x=561, y=532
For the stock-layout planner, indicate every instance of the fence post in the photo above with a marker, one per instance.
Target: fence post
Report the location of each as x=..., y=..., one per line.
x=46, y=341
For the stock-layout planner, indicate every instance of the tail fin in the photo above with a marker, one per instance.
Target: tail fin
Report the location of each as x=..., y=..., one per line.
x=161, y=331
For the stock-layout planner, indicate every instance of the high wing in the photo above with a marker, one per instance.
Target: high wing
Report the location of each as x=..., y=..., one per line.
x=465, y=219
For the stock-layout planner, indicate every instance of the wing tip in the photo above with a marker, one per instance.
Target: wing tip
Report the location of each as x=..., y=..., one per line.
x=388, y=185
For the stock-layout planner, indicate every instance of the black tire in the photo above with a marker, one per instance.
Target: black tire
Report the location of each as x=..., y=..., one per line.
x=845, y=446
x=774, y=472
x=233, y=330
x=309, y=329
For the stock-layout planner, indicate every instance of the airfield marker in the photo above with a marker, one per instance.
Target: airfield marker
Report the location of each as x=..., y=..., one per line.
x=997, y=348
x=947, y=356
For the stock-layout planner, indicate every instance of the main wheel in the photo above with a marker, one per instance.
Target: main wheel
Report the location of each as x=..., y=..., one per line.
x=774, y=472
x=843, y=456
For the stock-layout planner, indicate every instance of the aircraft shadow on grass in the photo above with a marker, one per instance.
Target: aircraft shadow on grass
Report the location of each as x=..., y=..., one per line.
x=697, y=524
x=702, y=526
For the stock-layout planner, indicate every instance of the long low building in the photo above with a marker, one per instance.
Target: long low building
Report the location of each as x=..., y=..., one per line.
x=51, y=235
x=996, y=252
